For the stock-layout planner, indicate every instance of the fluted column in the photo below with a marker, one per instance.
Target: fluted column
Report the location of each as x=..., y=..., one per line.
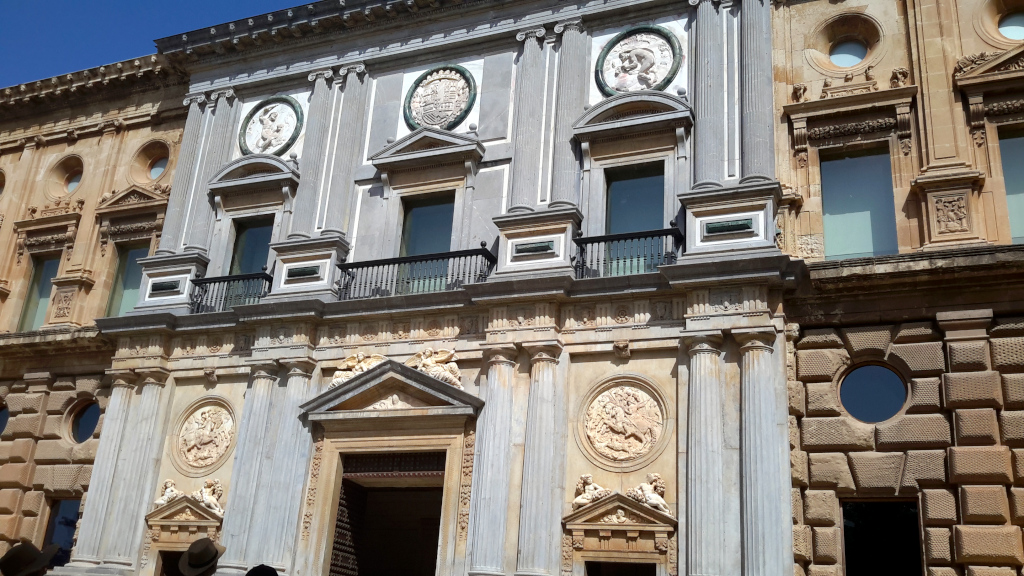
x=184, y=174
x=573, y=77
x=758, y=145
x=338, y=203
x=765, y=487
x=708, y=102
x=705, y=527
x=491, y=473
x=314, y=155
x=216, y=153
x=248, y=464
x=278, y=505
x=540, y=517
x=101, y=484
x=528, y=121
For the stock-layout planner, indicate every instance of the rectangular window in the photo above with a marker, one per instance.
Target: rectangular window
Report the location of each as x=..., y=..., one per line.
x=252, y=245
x=43, y=273
x=60, y=530
x=124, y=294
x=1011, y=149
x=877, y=530
x=427, y=228
x=169, y=563
x=636, y=198
x=857, y=203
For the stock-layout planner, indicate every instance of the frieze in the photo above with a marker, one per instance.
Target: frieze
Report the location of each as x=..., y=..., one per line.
x=272, y=127
x=1003, y=108
x=851, y=128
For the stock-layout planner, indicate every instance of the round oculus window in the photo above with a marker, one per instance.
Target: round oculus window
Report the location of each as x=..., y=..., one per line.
x=848, y=53
x=157, y=167
x=72, y=181
x=1011, y=26
x=5, y=415
x=83, y=424
x=872, y=393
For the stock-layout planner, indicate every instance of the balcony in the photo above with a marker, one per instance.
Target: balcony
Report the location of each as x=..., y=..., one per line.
x=221, y=293
x=441, y=272
x=626, y=254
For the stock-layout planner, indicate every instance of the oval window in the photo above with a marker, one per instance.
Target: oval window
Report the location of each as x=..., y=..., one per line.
x=157, y=167
x=1012, y=26
x=73, y=181
x=3, y=182
x=848, y=53
x=5, y=415
x=84, y=423
x=872, y=393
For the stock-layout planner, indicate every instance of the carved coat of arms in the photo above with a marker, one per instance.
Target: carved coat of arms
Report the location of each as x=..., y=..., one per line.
x=440, y=98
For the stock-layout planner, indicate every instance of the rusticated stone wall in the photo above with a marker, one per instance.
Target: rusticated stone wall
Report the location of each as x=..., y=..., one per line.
x=957, y=445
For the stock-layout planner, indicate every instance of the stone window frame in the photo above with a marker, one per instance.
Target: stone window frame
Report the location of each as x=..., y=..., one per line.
x=845, y=121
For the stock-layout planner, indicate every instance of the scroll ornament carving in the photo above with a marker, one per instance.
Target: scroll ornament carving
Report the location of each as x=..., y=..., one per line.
x=651, y=493
x=353, y=366
x=951, y=214
x=588, y=492
x=852, y=128
x=206, y=436
x=566, y=555
x=314, y=476
x=466, y=485
x=62, y=303
x=972, y=61
x=209, y=496
x=169, y=494
x=623, y=423
x=440, y=364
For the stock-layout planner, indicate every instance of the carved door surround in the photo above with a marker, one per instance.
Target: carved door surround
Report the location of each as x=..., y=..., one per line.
x=618, y=529
x=176, y=524
x=389, y=408
x=632, y=128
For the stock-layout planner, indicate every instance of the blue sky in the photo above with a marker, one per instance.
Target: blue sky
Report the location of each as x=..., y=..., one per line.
x=43, y=38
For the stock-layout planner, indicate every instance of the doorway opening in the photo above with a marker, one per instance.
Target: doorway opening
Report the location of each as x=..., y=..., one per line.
x=620, y=569
x=169, y=564
x=388, y=498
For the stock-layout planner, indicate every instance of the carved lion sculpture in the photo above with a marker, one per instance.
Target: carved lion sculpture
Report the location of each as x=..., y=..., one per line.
x=651, y=493
x=169, y=493
x=588, y=492
x=209, y=496
x=440, y=364
x=354, y=365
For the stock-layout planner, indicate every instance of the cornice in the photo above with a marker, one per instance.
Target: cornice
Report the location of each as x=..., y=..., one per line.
x=52, y=133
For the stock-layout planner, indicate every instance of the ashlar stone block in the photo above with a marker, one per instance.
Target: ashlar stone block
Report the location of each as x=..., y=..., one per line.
x=797, y=398
x=802, y=543
x=914, y=431
x=976, y=427
x=794, y=434
x=21, y=450
x=53, y=452
x=868, y=338
x=938, y=545
x=33, y=503
x=1018, y=465
x=823, y=570
x=16, y=475
x=10, y=500
x=836, y=433
x=797, y=504
x=924, y=468
x=798, y=468
x=969, y=356
x=1013, y=390
x=830, y=470
x=827, y=545
x=821, y=508
x=990, y=571
x=27, y=528
x=798, y=569
x=820, y=365
x=820, y=338
x=938, y=507
x=9, y=525
x=1011, y=427
x=822, y=399
x=924, y=395
x=980, y=465
x=60, y=401
x=923, y=358
x=973, y=390
x=26, y=403
x=1017, y=505
x=1008, y=353
x=999, y=545
x=943, y=571
x=984, y=504
x=877, y=472
x=916, y=332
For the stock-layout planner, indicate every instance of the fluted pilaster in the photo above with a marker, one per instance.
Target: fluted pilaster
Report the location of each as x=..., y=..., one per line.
x=757, y=118
x=573, y=77
x=528, y=121
x=184, y=175
x=540, y=514
x=708, y=102
x=489, y=508
x=314, y=154
x=765, y=487
x=705, y=526
x=216, y=153
x=338, y=203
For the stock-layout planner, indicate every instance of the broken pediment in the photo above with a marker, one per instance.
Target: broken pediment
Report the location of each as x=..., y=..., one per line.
x=989, y=66
x=428, y=146
x=391, y=389
x=633, y=112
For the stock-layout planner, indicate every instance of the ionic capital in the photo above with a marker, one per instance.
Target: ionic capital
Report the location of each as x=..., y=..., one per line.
x=351, y=68
x=195, y=100
x=707, y=342
x=225, y=93
x=535, y=33
x=122, y=378
x=325, y=75
x=575, y=24
x=264, y=369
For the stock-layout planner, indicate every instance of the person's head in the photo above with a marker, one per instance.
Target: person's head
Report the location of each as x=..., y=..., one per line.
x=261, y=570
x=26, y=560
x=201, y=558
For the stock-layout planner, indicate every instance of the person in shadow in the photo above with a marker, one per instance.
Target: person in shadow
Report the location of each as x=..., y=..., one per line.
x=26, y=560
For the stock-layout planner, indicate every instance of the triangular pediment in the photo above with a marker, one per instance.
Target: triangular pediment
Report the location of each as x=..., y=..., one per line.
x=618, y=510
x=391, y=389
x=988, y=64
x=425, y=146
x=181, y=510
x=131, y=198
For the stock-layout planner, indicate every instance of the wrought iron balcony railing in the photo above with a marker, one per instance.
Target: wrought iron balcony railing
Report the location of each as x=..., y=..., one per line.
x=626, y=254
x=221, y=293
x=415, y=274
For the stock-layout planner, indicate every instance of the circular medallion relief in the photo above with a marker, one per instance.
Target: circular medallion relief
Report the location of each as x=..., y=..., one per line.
x=205, y=435
x=272, y=127
x=623, y=423
x=642, y=58
x=440, y=98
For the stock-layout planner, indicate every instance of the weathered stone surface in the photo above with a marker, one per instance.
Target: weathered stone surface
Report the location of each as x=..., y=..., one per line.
x=989, y=545
x=976, y=427
x=25, y=425
x=823, y=570
x=1008, y=326
x=938, y=507
x=797, y=504
x=924, y=395
x=822, y=399
x=21, y=450
x=53, y=452
x=798, y=569
x=968, y=356
x=1017, y=456
x=923, y=358
x=938, y=545
x=980, y=465
x=836, y=433
x=1013, y=391
x=16, y=475
x=827, y=545
x=26, y=403
x=868, y=338
x=27, y=528
x=86, y=451
x=9, y=524
x=973, y=390
x=830, y=471
x=942, y=571
x=1011, y=427
x=1017, y=505
x=877, y=471
x=798, y=468
x=820, y=338
x=33, y=503
x=802, y=543
x=820, y=365
x=916, y=332
x=821, y=508
x=10, y=500
x=990, y=571
x=1008, y=354
x=794, y=434
x=53, y=426
x=923, y=468
x=984, y=504
x=797, y=398
x=59, y=401
x=914, y=431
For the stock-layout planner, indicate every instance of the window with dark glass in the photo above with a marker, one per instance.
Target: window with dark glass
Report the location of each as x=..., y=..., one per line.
x=1011, y=148
x=636, y=198
x=61, y=529
x=252, y=245
x=5, y=416
x=427, y=226
x=84, y=422
x=43, y=272
x=125, y=292
x=859, y=214
x=876, y=531
x=872, y=393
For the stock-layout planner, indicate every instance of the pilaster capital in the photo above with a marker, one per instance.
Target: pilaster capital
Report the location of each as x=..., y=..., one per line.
x=152, y=376
x=194, y=100
x=501, y=354
x=351, y=68
x=299, y=366
x=758, y=338
x=264, y=368
x=547, y=351
x=227, y=93
x=122, y=378
x=326, y=75
x=537, y=33
x=574, y=24
x=704, y=342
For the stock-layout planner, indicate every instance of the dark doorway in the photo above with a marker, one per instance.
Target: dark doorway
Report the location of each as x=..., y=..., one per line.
x=620, y=569
x=169, y=563
x=873, y=530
